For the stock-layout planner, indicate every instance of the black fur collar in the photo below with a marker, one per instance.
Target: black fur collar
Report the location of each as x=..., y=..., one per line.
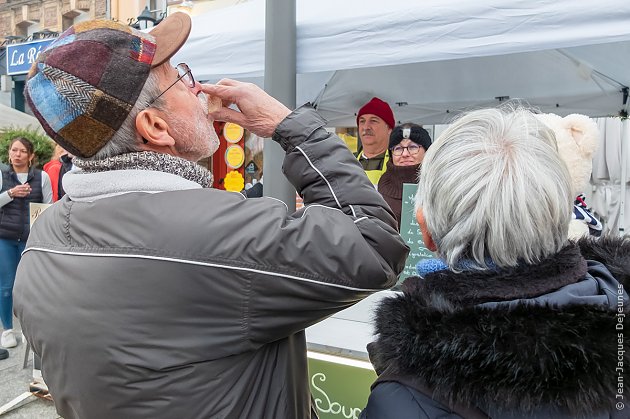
x=476, y=287
x=514, y=359
x=614, y=252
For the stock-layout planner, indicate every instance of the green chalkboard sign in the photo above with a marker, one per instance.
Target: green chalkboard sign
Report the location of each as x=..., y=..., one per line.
x=340, y=386
x=410, y=232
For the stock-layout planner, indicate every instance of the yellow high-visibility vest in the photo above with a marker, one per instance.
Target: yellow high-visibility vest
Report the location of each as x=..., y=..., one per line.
x=375, y=175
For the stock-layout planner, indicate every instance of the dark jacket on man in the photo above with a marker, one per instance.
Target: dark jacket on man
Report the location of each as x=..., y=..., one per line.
x=533, y=342
x=193, y=303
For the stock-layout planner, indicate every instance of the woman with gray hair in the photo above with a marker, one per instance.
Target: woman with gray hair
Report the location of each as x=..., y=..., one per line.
x=511, y=320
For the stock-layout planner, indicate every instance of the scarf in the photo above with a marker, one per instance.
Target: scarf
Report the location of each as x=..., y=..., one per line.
x=428, y=266
x=149, y=160
x=391, y=183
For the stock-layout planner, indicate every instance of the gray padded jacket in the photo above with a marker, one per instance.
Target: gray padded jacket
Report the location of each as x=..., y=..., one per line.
x=193, y=303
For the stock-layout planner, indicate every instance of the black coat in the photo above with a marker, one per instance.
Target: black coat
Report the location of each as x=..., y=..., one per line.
x=538, y=341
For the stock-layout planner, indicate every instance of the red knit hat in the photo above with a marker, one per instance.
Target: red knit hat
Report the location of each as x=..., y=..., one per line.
x=379, y=108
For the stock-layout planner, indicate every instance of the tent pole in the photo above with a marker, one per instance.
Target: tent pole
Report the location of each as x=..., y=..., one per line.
x=280, y=81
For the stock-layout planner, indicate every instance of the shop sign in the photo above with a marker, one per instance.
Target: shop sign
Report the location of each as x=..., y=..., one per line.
x=234, y=181
x=410, y=232
x=20, y=57
x=251, y=168
x=340, y=386
x=234, y=156
x=233, y=132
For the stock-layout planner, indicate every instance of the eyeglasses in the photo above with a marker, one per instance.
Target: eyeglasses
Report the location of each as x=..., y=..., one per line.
x=185, y=75
x=411, y=149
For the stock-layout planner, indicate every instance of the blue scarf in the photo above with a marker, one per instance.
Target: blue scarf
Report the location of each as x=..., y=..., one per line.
x=427, y=266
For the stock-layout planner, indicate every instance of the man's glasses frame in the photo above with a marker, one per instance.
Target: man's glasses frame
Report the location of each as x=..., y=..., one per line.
x=412, y=149
x=185, y=75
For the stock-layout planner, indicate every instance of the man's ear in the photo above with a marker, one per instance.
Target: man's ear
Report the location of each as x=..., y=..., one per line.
x=426, y=236
x=154, y=129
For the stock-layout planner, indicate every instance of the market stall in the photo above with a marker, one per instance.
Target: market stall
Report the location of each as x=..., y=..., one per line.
x=430, y=60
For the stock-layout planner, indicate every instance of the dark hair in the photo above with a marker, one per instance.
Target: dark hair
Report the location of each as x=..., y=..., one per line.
x=30, y=148
x=417, y=134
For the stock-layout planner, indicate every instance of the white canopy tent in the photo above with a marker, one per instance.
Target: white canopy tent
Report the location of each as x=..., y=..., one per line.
x=12, y=118
x=431, y=59
x=434, y=58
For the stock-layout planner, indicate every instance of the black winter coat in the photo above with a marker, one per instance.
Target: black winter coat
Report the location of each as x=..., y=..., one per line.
x=539, y=341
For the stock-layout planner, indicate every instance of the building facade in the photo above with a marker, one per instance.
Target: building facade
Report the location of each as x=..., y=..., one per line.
x=29, y=18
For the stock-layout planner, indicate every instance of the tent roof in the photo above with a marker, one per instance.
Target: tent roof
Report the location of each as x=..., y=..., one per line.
x=10, y=117
x=433, y=57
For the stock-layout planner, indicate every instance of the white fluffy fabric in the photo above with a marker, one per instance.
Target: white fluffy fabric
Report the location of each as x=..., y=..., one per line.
x=578, y=138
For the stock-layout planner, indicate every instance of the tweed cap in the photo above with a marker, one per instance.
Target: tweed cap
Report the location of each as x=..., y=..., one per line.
x=83, y=86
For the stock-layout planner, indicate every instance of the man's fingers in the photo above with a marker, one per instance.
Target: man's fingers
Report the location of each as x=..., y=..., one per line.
x=214, y=90
x=226, y=93
x=228, y=115
x=229, y=82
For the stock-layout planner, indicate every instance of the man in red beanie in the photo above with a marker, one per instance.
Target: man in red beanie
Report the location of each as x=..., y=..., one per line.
x=375, y=122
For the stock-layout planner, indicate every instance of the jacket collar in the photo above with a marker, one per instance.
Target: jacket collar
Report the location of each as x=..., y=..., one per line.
x=81, y=186
x=475, y=287
x=514, y=357
x=30, y=174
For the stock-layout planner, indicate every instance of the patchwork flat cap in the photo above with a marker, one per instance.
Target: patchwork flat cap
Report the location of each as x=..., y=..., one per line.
x=83, y=86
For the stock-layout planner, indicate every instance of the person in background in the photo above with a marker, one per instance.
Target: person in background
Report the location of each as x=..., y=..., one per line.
x=255, y=190
x=21, y=183
x=407, y=145
x=4, y=354
x=513, y=320
x=375, y=122
x=57, y=167
x=141, y=291
x=66, y=166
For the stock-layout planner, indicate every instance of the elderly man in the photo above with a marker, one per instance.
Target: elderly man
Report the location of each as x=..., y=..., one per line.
x=375, y=122
x=147, y=295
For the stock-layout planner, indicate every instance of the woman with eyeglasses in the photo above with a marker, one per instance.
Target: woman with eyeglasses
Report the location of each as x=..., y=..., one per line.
x=407, y=145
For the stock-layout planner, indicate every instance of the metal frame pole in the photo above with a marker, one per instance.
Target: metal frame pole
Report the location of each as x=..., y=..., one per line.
x=280, y=79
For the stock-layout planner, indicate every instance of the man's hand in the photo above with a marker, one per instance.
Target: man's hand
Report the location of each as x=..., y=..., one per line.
x=259, y=112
